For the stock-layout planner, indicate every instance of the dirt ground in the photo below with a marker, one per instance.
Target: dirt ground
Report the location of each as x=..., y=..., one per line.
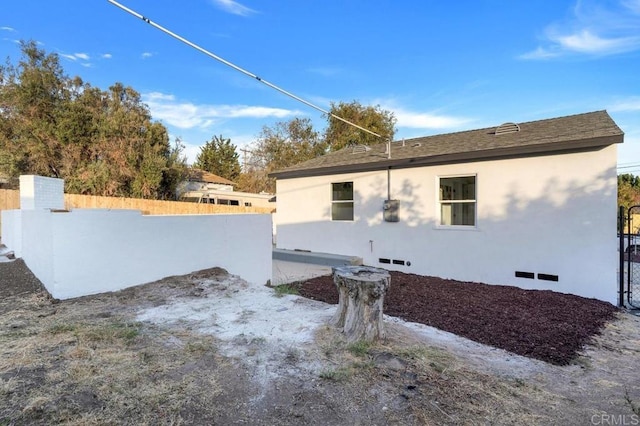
x=129, y=358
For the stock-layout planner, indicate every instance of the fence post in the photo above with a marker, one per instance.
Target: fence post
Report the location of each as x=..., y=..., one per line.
x=621, y=257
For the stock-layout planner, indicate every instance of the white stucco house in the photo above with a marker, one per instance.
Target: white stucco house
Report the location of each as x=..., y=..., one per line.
x=208, y=188
x=530, y=204
x=200, y=180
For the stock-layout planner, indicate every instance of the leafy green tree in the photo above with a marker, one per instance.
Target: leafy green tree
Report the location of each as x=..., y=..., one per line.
x=174, y=172
x=295, y=141
x=628, y=190
x=339, y=134
x=100, y=142
x=629, y=179
x=255, y=180
x=286, y=144
x=31, y=97
x=219, y=156
x=277, y=147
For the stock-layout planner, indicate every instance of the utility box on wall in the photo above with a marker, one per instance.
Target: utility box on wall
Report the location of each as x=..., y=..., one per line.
x=391, y=210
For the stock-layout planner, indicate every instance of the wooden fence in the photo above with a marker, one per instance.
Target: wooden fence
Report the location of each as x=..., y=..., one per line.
x=10, y=199
x=635, y=224
x=155, y=207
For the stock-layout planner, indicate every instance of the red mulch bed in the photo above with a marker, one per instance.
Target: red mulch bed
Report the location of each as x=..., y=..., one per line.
x=541, y=324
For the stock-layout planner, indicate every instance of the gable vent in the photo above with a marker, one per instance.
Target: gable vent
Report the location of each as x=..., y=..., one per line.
x=507, y=128
x=357, y=149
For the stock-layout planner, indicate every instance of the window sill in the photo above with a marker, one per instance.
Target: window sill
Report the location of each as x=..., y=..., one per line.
x=456, y=228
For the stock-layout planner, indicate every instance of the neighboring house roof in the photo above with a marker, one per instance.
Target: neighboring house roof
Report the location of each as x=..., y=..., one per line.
x=564, y=134
x=197, y=175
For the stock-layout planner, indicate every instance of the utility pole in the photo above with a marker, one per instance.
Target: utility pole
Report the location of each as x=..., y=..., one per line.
x=244, y=158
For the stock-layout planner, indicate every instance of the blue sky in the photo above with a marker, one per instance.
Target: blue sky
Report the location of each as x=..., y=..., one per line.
x=438, y=66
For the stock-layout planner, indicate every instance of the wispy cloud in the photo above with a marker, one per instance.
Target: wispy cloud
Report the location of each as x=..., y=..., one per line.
x=11, y=30
x=633, y=5
x=408, y=118
x=82, y=58
x=106, y=56
x=426, y=120
x=592, y=30
x=186, y=115
x=631, y=104
x=233, y=7
x=76, y=56
x=146, y=55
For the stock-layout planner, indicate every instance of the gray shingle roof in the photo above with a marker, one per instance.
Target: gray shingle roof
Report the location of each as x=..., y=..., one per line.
x=572, y=133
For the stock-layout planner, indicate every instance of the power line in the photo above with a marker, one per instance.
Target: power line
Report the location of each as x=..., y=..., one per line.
x=237, y=68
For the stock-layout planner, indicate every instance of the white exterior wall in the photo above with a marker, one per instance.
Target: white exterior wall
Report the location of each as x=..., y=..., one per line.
x=39, y=192
x=553, y=214
x=88, y=251
x=37, y=248
x=12, y=230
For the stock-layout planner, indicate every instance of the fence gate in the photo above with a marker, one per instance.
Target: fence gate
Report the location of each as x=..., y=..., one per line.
x=629, y=231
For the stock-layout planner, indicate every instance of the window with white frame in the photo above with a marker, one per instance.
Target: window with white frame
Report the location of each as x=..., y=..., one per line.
x=342, y=201
x=458, y=201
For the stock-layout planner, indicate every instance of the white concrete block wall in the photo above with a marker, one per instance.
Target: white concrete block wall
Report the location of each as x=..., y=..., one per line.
x=39, y=192
x=551, y=214
x=274, y=218
x=37, y=244
x=105, y=251
x=88, y=251
x=12, y=230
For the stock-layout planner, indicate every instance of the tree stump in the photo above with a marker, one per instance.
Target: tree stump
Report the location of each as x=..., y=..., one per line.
x=361, y=290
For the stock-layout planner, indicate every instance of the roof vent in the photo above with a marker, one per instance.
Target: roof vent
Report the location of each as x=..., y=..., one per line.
x=357, y=149
x=507, y=128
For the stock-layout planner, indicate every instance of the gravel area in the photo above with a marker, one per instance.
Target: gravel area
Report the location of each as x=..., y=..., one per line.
x=16, y=279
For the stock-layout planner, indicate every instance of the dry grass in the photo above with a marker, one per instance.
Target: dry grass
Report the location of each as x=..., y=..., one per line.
x=77, y=369
x=88, y=362
x=282, y=289
x=433, y=385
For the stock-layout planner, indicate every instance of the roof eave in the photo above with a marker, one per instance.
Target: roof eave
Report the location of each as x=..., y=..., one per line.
x=461, y=157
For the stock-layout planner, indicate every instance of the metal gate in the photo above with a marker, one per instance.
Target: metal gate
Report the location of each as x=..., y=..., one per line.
x=629, y=256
